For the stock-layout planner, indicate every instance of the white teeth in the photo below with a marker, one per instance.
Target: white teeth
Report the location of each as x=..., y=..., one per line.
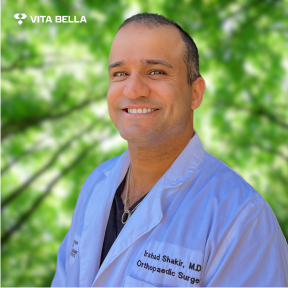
x=140, y=110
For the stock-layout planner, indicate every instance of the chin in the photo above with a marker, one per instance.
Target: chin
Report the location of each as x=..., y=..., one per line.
x=135, y=136
x=132, y=138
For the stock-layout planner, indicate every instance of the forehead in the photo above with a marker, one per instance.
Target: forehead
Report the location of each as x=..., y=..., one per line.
x=135, y=42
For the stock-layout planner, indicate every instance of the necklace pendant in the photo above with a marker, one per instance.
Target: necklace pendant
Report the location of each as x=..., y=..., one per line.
x=125, y=216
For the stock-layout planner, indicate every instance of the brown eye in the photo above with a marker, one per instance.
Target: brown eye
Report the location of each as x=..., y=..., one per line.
x=119, y=74
x=157, y=72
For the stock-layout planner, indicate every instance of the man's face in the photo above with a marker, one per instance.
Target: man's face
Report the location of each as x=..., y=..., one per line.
x=147, y=72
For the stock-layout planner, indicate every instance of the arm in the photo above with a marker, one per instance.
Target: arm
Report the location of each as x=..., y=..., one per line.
x=61, y=271
x=254, y=251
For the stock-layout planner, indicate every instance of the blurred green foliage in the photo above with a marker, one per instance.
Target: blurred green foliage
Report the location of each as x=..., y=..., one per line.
x=55, y=123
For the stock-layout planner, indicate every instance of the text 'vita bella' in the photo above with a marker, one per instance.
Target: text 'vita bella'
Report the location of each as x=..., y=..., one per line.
x=58, y=19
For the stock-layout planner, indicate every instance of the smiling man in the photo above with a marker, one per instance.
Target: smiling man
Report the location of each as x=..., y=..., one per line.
x=166, y=213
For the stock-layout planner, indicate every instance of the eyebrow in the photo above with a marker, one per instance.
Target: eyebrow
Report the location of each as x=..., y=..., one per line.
x=156, y=62
x=143, y=61
x=116, y=64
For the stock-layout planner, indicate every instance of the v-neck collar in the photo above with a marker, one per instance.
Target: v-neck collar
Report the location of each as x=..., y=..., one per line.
x=119, y=201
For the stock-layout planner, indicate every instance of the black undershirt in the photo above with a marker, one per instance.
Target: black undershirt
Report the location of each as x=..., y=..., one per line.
x=115, y=225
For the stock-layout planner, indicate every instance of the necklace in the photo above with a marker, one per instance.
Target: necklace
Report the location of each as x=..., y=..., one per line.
x=127, y=213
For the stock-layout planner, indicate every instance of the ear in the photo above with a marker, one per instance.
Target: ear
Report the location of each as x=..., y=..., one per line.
x=198, y=89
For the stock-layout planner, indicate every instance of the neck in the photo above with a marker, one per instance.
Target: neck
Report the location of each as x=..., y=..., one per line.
x=149, y=163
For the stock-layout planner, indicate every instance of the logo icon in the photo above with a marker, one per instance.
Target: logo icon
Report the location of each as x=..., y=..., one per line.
x=23, y=16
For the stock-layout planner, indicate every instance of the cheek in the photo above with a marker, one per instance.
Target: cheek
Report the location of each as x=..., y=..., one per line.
x=113, y=95
x=111, y=104
x=173, y=97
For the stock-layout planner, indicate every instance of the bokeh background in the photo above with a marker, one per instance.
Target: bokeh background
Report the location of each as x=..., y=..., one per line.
x=55, y=122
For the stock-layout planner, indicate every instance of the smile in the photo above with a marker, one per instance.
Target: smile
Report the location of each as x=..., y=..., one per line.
x=139, y=110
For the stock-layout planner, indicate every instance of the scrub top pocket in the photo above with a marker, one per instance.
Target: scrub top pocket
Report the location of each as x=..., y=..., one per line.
x=133, y=283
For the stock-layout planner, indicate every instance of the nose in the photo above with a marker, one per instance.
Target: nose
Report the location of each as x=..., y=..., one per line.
x=136, y=87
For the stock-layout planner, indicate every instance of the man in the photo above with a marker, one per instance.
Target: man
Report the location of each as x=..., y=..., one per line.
x=166, y=213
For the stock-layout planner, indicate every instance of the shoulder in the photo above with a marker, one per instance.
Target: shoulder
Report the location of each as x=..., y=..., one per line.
x=233, y=200
x=96, y=176
x=243, y=230
x=224, y=181
x=102, y=170
x=226, y=196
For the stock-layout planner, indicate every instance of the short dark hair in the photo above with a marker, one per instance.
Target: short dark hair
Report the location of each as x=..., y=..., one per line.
x=190, y=57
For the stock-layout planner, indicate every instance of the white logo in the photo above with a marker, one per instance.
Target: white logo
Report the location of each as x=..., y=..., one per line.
x=48, y=19
x=58, y=19
x=17, y=17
